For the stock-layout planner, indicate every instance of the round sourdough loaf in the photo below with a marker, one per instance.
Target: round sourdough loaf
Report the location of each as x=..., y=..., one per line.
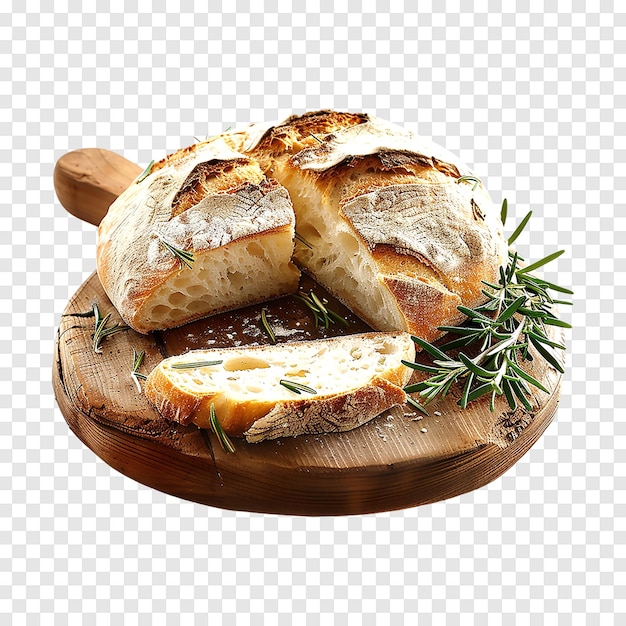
x=209, y=202
x=392, y=225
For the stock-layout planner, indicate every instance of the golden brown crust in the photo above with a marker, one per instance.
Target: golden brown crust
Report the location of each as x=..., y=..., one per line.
x=272, y=144
x=265, y=413
x=173, y=404
x=430, y=236
x=199, y=200
x=337, y=413
x=214, y=176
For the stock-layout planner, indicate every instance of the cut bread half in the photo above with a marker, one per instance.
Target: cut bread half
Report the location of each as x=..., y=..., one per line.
x=390, y=227
x=266, y=392
x=203, y=232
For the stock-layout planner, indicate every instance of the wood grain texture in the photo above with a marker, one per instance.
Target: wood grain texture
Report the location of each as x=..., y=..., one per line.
x=398, y=460
x=88, y=180
x=387, y=464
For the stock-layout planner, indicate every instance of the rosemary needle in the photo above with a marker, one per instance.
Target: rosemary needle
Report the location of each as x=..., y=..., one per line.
x=146, y=172
x=194, y=364
x=137, y=361
x=297, y=387
x=470, y=179
x=184, y=257
x=321, y=313
x=302, y=240
x=216, y=427
x=267, y=327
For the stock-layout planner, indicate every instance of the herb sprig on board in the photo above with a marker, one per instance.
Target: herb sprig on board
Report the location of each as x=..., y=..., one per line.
x=323, y=315
x=137, y=363
x=102, y=330
x=516, y=316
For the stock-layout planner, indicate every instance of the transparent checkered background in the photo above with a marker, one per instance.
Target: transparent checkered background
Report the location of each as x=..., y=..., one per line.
x=535, y=101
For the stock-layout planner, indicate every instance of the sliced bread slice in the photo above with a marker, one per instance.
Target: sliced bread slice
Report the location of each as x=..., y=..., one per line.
x=266, y=392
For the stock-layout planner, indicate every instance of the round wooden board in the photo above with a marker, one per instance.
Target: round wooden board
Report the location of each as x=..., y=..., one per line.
x=398, y=460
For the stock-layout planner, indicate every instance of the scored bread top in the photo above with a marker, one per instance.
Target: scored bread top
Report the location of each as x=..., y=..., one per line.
x=197, y=199
x=439, y=225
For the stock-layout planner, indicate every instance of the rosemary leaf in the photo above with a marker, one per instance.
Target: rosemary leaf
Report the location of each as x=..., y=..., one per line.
x=216, y=427
x=416, y=387
x=517, y=232
x=302, y=240
x=297, y=387
x=508, y=394
x=480, y=372
x=420, y=367
x=432, y=350
x=266, y=326
x=533, y=266
x=466, y=391
x=146, y=172
x=416, y=405
x=184, y=257
x=194, y=365
x=526, y=376
x=470, y=179
x=137, y=361
x=504, y=211
x=318, y=307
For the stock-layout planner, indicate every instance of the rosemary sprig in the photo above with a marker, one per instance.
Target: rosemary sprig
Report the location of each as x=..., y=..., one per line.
x=267, y=327
x=297, y=387
x=216, y=427
x=134, y=374
x=101, y=330
x=322, y=314
x=516, y=315
x=470, y=179
x=184, y=257
x=194, y=365
x=146, y=172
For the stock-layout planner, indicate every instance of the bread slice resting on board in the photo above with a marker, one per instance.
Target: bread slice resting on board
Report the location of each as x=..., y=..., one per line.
x=271, y=391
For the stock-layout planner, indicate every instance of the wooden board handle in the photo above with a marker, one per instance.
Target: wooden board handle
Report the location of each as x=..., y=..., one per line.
x=88, y=180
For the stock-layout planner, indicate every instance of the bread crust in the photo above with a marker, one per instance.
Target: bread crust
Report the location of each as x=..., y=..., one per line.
x=338, y=413
x=433, y=237
x=199, y=199
x=265, y=417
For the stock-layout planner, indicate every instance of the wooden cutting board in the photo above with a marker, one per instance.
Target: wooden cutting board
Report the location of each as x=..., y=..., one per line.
x=399, y=460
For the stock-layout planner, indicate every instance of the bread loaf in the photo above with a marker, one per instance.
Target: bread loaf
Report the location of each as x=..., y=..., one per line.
x=387, y=222
x=209, y=202
x=390, y=227
x=347, y=382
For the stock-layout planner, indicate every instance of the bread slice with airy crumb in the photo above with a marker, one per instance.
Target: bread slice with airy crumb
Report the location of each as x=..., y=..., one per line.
x=203, y=232
x=267, y=392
